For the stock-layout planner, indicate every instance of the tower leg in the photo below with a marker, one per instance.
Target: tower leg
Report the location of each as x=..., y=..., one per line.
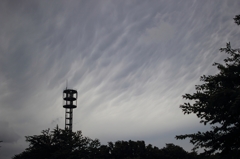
x=68, y=119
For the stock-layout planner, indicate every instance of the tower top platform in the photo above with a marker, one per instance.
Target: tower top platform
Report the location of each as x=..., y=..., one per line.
x=70, y=91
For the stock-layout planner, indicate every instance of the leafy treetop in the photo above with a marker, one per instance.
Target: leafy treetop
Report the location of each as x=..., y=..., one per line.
x=217, y=102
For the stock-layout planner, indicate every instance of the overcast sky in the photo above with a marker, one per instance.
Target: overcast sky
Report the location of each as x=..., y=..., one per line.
x=130, y=61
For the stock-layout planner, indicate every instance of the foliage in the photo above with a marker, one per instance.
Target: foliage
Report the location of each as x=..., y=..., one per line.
x=64, y=144
x=217, y=102
x=237, y=19
x=59, y=144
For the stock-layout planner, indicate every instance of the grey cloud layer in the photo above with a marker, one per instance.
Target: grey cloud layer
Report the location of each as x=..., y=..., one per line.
x=130, y=61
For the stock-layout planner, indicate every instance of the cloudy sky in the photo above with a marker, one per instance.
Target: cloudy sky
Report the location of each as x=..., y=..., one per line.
x=130, y=61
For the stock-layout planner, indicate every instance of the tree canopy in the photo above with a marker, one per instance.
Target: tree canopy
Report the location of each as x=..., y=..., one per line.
x=59, y=144
x=217, y=102
x=64, y=144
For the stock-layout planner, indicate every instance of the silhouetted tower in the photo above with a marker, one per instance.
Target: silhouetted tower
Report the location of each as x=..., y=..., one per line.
x=69, y=103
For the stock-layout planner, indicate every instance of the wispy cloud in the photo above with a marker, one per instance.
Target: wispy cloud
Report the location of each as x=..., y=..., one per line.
x=131, y=61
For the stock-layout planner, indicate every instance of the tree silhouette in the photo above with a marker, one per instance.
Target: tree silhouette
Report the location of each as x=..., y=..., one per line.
x=59, y=144
x=172, y=151
x=64, y=144
x=217, y=102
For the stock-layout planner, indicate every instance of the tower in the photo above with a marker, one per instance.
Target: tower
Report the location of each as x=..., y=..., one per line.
x=69, y=103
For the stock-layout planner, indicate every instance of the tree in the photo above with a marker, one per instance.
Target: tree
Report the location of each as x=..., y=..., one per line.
x=217, y=103
x=172, y=151
x=64, y=144
x=59, y=144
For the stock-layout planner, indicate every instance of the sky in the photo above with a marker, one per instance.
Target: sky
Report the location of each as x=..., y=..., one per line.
x=130, y=61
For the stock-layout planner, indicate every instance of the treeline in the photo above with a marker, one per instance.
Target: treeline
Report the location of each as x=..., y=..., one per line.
x=63, y=144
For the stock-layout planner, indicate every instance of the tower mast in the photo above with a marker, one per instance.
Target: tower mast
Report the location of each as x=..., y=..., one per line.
x=70, y=102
